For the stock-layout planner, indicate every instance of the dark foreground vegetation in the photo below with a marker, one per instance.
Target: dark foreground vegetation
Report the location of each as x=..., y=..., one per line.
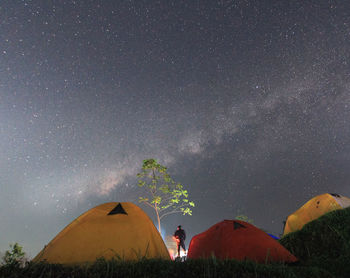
x=161, y=268
x=322, y=246
x=324, y=243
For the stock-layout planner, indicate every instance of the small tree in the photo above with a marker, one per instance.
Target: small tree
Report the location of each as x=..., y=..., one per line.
x=163, y=194
x=14, y=256
x=244, y=218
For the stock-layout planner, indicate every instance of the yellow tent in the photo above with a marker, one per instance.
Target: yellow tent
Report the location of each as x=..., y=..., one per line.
x=313, y=209
x=111, y=230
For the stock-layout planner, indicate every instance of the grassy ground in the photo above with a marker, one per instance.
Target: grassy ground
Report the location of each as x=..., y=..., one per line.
x=324, y=243
x=159, y=268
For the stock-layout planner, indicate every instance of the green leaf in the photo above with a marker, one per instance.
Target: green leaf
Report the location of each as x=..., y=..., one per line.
x=142, y=199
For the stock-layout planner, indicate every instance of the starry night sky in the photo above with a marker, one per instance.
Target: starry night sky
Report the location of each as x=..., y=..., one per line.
x=246, y=102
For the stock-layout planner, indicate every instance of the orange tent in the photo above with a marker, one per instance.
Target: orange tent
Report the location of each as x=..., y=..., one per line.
x=313, y=209
x=111, y=230
x=234, y=239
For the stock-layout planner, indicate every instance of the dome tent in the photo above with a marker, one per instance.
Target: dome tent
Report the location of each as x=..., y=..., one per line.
x=235, y=239
x=110, y=230
x=313, y=209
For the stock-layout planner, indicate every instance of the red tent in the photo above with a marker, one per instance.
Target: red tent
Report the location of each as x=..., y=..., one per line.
x=235, y=239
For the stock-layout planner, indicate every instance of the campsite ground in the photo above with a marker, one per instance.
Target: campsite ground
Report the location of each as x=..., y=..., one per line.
x=322, y=247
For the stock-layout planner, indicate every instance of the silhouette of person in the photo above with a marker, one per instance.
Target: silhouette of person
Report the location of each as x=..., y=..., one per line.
x=180, y=236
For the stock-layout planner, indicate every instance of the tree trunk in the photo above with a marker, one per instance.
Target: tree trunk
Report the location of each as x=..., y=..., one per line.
x=159, y=228
x=158, y=219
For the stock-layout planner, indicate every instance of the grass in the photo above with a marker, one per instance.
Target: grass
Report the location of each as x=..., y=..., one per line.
x=162, y=268
x=323, y=243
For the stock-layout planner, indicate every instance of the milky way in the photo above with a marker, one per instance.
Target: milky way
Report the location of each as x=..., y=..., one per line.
x=246, y=102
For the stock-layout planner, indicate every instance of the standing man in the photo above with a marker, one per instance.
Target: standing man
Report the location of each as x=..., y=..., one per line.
x=180, y=237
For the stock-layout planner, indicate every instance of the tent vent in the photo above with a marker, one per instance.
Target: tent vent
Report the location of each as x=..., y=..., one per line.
x=335, y=195
x=237, y=226
x=117, y=210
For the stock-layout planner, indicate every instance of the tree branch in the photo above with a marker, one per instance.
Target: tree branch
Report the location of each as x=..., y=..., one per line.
x=170, y=212
x=177, y=207
x=147, y=203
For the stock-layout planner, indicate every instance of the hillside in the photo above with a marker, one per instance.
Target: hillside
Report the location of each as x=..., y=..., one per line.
x=324, y=242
